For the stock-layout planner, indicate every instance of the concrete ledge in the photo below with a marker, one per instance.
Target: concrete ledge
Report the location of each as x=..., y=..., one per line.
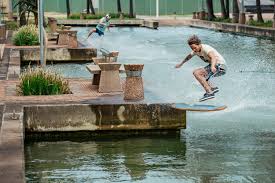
x=225, y=27
x=134, y=22
x=61, y=54
x=12, y=166
x=14, y=65
x=153, y=24
x=70, y=118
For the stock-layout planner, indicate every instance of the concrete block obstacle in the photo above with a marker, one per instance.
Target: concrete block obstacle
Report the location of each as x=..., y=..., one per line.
x=109, y=78
x=134, y=84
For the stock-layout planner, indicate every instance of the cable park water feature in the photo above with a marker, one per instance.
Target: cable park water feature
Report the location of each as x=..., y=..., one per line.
x=234, y=145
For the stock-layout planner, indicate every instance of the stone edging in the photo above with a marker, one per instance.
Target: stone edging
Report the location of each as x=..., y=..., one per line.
x=224, y=27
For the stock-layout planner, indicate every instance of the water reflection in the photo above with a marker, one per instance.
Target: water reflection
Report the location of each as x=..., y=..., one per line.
x=199, y=155
x=105, y=161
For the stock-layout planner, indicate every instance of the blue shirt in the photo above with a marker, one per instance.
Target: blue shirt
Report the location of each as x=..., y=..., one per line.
x=103, y=24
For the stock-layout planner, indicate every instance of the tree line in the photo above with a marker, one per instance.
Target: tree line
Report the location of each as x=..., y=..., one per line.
x=30, y=6
x=225, y=4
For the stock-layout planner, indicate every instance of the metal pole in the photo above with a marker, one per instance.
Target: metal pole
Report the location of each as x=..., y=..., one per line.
x=41, y=33
x=157, y=8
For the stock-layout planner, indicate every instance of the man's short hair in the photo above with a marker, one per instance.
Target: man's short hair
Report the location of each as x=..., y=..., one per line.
x=194, y=40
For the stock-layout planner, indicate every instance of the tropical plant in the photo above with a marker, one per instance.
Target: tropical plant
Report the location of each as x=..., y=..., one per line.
x=26, y=35
x=42, y=82
x=27, y=7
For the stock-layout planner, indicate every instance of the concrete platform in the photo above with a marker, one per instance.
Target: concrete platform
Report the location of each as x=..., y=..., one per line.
x=114, y=22
x=55, y=53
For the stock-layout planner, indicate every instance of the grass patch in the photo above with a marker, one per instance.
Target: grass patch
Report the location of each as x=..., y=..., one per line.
x=259, y=24
x=26, y=36
x=38, y=81
x=220, y=19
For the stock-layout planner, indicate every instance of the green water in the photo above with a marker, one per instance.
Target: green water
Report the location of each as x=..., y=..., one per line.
x=192, y=158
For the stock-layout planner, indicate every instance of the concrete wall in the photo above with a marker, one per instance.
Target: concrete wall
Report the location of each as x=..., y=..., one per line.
x=12, y=166
x=61, y=54
x=225, y=27
x=95, y=22
x=14, y=65
x=111, y=117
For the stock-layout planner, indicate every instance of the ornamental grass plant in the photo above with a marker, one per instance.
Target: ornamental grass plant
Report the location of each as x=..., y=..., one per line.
x=37, y=81
x=26, y=36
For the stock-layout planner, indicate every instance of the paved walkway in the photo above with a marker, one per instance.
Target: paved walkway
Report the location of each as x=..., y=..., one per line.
x=82, y=90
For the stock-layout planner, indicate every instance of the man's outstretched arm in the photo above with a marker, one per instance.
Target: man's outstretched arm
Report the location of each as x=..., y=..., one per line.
x=188, y=57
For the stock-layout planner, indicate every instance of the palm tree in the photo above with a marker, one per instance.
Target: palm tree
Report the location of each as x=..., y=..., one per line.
x=210, y=9
x=227, y=8
x=27, y=6
x=259, y=11
x=236, y=11
x=90, y=6
x=223, y=9
x=118, y=7
x=22, y=15
x=68, y=8
x=131, y=9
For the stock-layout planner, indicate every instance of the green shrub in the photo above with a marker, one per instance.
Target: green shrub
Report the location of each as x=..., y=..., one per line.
x=220, y=19
x=75, y=16
x=42, y=82
x=11, y=25
x=91, y=16
x=265, y=24
x=26, y=36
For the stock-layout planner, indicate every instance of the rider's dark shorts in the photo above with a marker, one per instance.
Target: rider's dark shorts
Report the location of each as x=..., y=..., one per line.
x=99, y=32
x=221, y=70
